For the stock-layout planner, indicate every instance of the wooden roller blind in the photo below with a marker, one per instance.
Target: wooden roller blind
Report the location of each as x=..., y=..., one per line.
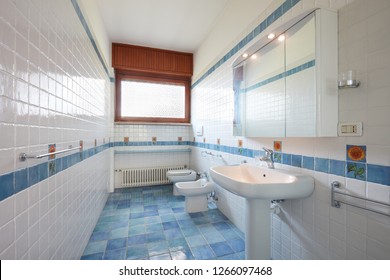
x=151, y=60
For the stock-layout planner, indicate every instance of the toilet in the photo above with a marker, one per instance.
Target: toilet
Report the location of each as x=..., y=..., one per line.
x=195, y=193
x=183, y=175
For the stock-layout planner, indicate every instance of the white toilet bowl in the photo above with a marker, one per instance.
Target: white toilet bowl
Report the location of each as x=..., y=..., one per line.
x=195, y=193
x=184, y=175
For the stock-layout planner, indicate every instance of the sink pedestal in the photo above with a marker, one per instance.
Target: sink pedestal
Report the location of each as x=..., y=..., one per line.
x=257, y=229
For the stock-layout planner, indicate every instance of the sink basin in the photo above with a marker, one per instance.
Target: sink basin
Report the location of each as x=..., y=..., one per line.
x=251, y=181
x=258, y=186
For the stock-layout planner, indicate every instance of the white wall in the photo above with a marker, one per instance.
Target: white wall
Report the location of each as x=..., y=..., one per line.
x=53, y=90
x=95, y=23
x=235, y=19
x=310, y=228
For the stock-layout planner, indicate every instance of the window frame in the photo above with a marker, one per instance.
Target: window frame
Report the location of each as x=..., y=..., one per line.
x=122, y=75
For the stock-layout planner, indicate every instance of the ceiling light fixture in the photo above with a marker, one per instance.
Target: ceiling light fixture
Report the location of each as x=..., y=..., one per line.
x=271, y=36
x=281, y=38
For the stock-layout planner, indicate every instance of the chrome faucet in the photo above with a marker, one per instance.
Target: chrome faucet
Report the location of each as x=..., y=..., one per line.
x=268, y=158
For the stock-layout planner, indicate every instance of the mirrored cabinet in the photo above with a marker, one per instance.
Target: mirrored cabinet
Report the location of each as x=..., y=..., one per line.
x=285, y=85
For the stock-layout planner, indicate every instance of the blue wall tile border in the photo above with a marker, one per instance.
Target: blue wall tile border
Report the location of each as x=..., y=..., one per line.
x=283, y=75
x=19, y=180
x=280, y=11
x=373, y=173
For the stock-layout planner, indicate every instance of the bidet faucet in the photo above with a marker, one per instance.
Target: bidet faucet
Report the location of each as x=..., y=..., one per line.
x=204, y=175
x=268, y=158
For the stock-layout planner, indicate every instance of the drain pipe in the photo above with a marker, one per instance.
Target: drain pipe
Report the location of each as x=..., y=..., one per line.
x=275, y=206
x=212, y=196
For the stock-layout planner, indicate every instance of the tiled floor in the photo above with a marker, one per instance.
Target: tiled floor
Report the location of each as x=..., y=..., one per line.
x=151, y=223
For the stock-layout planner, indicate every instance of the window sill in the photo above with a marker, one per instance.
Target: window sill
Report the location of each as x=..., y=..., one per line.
x=152, y=123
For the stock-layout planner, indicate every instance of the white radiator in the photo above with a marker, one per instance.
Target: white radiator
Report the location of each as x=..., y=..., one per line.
x=137, y=177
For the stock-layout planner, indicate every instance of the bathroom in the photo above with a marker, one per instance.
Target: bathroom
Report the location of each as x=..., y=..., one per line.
x=57, y=90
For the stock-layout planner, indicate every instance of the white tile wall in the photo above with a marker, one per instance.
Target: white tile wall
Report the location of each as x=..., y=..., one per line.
x=53, y=89
x=145, y=133
x=310, y=228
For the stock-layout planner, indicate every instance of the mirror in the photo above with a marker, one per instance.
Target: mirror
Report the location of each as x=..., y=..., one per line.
x=276, y=88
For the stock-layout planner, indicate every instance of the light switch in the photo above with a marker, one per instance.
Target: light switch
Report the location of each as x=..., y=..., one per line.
x=350, y=129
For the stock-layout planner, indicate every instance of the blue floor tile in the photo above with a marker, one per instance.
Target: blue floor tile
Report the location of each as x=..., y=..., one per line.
x=173, y=233
x=170, y=225
x=95, y=247
x=151, y=223
x=119, y=254
x=158, y=248
x=221, y=225
x=161, y=257
x=137, y=252
x=96, y=256
x=197, y=240
x=178, y=244
x=115, y=244
x=155, y=236
x=221, y=249
x=203, y=252
x=237, y=244
x=136, y=239
x=182, y=255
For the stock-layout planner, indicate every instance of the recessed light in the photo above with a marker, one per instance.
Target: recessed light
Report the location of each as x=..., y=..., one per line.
x=245, y=55
x=271, y=36
x=253, y=56
x=281, y=38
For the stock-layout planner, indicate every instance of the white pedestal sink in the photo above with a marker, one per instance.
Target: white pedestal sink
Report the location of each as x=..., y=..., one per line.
x=259, y=186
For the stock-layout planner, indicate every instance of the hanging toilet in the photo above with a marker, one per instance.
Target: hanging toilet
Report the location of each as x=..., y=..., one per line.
x=184, y=175
x=195, y=193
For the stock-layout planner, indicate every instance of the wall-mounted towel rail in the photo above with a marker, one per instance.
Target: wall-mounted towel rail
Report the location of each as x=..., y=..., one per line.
x=206, y=153
x=337, y=203
x=151, y=151
x=24, y=156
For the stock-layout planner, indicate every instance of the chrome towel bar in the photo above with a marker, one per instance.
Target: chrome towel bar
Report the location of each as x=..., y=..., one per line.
x=24, y=156
x=205, y=153
x=337, y=203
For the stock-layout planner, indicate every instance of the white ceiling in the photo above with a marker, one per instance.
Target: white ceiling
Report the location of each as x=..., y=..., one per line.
x=180, y=25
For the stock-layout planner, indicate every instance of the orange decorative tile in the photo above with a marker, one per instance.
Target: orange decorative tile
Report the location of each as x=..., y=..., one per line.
x=356, y=153
x=277, y=146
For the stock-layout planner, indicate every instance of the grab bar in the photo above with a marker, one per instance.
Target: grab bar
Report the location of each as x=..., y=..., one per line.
x=24, y=156
x=337, y=203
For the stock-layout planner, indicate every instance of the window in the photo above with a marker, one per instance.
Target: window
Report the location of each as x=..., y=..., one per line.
x=152, y=98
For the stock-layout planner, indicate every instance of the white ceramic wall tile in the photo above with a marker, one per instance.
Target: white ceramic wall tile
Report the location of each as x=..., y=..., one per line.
x=324, y=232
x=53, y=89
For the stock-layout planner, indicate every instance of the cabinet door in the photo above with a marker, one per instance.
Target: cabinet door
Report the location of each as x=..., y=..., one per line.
x=265, y=92
x=301, y=79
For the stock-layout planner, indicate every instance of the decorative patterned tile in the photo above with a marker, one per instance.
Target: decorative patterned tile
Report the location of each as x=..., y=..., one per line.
x=356, y=153
x=356, y=170
x=277, y=146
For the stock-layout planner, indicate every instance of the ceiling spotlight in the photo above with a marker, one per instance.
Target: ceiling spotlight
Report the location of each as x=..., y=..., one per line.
x=281, y=38
x=245, y=55
x=271, y=36
x=253, y=56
